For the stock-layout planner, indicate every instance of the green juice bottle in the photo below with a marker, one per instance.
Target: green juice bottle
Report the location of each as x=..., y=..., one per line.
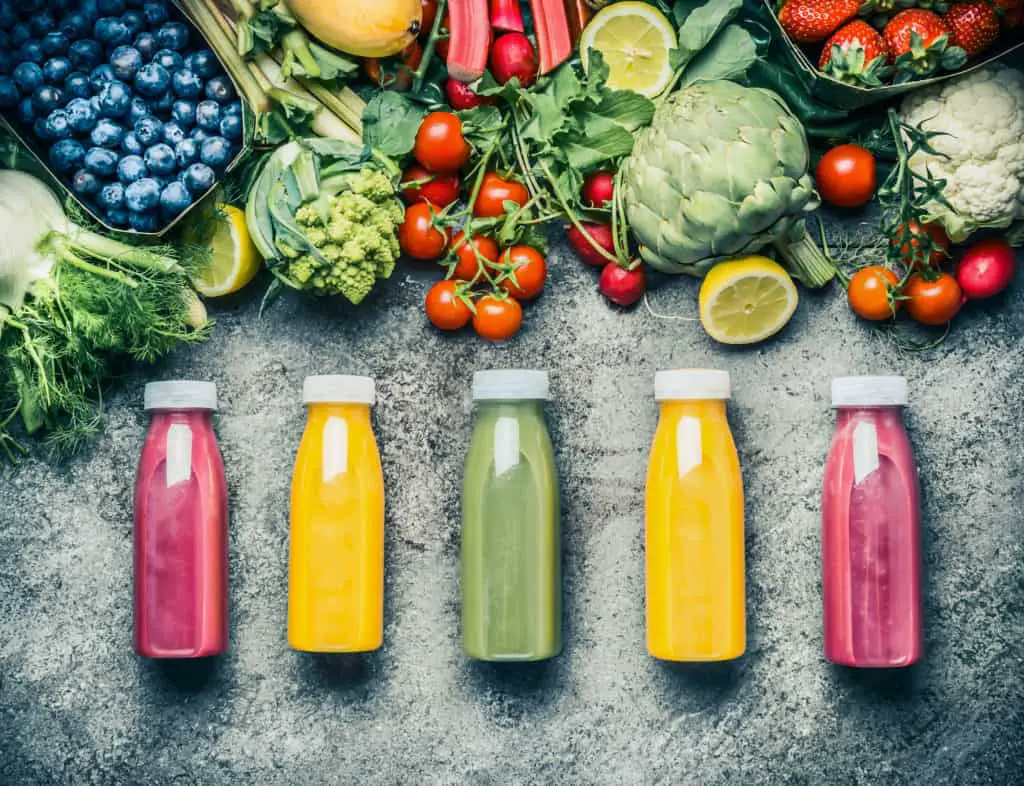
x=511, y=530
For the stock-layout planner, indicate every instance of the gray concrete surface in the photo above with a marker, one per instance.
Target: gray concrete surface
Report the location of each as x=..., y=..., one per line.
x=76, y=706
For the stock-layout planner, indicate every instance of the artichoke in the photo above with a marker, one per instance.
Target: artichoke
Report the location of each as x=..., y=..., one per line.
x=721, y=172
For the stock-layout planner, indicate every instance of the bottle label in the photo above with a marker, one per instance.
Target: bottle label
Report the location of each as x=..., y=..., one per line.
x=689, y=451
x=506, y=445
x=179, y=454
x=335, y=448
x=865, y=451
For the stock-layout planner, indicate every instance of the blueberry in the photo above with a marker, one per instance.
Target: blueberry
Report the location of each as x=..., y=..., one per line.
x=47, y=98
x=118, y=217
x=9, y=94
x=173, y=35
x=75, y=25
x=31, y=52
x=208, y=116
x=26, y=111
x=149, y=130
x=169, y=59
x=89, y=9
x=159, y=159
x=6, y=59
x=186, y=152
x=111, y=31
x=187, y=84
x=131, y=144
x=41, y=23
x=94, y=102
x=81, y=116
x=8, y=18
x=107, y=134
x=55, y=43
x=85, y=54
x=126, y=61
x=234, y=108
x=173, y=133
x=142, y=195
x=101, y=75
x=146, y=44
x=162, y=104
x=203, y=62
x=144, y=222
x=198, y=178
x=130, y=169
x=111, y=196
x=220, y=89
x=56, y=70
x=101, y=161
x=155, y=13
x=184, y=113
x=134, y=21
x=152, y=80
x=27, y=77
x=19, y=34
x=56, y=125
x=199, y=135
x=39, y=128
x=67, y=155
x=174, y=199
x=85, y=183
x=110, y=7
x=231, y=127
x=115, y=99
x=77, y=85
x=138, y=110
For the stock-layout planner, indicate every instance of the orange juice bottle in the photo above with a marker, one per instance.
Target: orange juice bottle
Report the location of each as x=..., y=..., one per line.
x=694, y=523
x=336, y=567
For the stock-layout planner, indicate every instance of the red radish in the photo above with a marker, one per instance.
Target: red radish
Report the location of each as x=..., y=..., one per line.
x=506, y=15
x=602, y=233
x=461, y=96
x=440, y=191
x=986, y=269
x=513, y=56
x=599, y=189
x=622, y=286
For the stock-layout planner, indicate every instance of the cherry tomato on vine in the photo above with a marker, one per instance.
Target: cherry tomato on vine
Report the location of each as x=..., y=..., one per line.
x=440, y=146
x=846, y=176
x=939, y=244
x=497, y=319
x=446, y=308
x=531, y=272
x=468, y=262
x=394, y=74
x=440, y=191
x=495, y=191
x=933, y=302
x=871, y=293
x=417, y=235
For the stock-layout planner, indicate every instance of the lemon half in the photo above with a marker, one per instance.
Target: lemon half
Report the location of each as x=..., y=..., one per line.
x=635, y=40
x=746, y=300
x=235, y=261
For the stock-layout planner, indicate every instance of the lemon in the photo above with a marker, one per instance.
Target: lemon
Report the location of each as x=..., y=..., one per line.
x=746, y=300
x=235, y=261
x=635, y=40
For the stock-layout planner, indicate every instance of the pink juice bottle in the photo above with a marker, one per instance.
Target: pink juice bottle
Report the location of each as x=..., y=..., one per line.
x=871, y=529
x=181, y=535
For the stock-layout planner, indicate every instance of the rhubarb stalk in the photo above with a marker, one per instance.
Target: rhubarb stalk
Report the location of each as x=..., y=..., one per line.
x=579, y=14
x=470, y=28
x=554, y=44
x=505, y=15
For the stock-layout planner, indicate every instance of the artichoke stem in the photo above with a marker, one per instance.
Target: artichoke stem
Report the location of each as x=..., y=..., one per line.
x=806, y=262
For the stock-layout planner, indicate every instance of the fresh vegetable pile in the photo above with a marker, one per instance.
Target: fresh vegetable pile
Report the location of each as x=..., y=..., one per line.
x=132, y=110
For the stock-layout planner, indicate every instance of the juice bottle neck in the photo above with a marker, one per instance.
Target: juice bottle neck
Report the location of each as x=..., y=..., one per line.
x=192, y=416
x=889, y=413
x=689, y=406
x=511, y=408
x=320, y=411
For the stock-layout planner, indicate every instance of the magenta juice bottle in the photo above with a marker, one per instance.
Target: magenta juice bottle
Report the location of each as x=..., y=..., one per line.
x=181, y=517
x=871, y=529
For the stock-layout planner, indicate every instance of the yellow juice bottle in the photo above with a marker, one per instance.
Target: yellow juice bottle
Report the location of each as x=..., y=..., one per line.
x=336, y=565
x=694, y=523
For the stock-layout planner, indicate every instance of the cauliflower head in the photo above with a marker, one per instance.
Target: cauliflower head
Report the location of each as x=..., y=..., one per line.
x=354, y=237
x=981, y=151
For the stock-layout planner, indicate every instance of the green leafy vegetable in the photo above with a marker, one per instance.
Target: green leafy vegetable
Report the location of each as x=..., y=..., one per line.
x=390, y=123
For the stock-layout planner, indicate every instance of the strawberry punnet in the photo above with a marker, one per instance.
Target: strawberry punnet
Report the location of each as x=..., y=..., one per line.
x=811, y=21
x=856, y=53
x=974, y=27
x=919, y=45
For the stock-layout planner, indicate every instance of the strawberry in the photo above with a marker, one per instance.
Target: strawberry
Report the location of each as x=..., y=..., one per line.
x=974, y=26
x=918, y=43
x=1011, y=12
x=811, y=21
x=856, y=53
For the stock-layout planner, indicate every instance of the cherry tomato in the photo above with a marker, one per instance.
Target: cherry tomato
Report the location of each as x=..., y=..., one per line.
x=871, y=293
x=495, y=192
x=846, y=176
x=599, y=189
x=440, y=146
x=394, y=74
x=531, y=272
x=428, y=12
x=417, y=235
x=908, y=249
x=933, y=302
x=468, y=263
x=441, y=191
x=446, y=308
x=497, y=319
x=461, y=96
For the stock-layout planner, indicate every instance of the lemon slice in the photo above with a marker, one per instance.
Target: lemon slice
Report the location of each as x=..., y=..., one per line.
x=235, y=260
x=635, y=40
x=746, y=300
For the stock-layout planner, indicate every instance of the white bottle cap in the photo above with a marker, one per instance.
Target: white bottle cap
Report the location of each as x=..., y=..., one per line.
x=510, y=385
x=338, y=389
x=869, y=392
x=180, y=394
x=692, y=384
